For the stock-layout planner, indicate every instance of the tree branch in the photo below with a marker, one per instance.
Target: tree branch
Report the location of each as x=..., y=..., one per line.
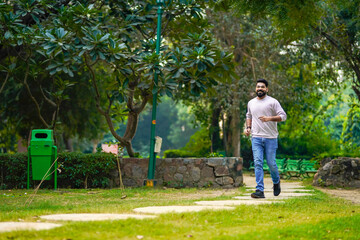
x=98, y=105
x=32, y=97
x=4, y=83
x=52, y=103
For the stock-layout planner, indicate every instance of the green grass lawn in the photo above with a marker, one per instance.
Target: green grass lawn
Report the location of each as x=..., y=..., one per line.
x=314, y=217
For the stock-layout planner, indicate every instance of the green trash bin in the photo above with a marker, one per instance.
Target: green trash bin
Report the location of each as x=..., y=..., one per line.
x=42, y=154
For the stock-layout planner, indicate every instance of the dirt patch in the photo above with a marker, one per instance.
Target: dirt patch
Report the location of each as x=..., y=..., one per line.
x=349, y=194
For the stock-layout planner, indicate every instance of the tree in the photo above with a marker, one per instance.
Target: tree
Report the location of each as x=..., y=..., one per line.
x=258, y=53
x=336, y=23
x=27, y=74
x=112, y=45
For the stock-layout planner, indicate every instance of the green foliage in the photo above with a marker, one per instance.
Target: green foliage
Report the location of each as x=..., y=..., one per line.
x=351, y=128
x=13, y=169
x=77, y=170
x=214, y=154
x=177, y=153
x=199, y=143
x=246, y=151
x=108, y=48
x=198, y=146
x=292, y=18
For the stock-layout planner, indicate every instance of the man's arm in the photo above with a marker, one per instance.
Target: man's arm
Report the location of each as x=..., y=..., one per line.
x=270, y=118
x=248, y=127
x=279, y=117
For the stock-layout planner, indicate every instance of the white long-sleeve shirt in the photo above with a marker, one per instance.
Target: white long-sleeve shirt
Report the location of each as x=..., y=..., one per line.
x=268, y=106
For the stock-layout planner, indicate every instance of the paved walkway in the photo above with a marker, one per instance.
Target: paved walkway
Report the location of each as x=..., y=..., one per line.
x=288, y=190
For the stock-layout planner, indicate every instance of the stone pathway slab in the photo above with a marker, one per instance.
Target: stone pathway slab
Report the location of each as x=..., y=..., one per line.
x=234, y=202
x=283, y=186
x=92, y=217
x=287, y=190
x=23, y=226
x=267, y=197
x=179, y=209
x=286, y=194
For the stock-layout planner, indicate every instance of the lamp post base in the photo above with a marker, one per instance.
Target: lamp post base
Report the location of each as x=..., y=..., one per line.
x=150, y=182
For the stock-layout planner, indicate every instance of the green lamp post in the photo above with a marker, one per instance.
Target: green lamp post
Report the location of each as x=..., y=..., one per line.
x=152, y=160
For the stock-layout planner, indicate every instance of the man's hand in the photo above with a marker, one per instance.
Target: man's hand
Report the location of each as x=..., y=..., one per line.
x=247, y=131
x=265, y=119
x=270, y=118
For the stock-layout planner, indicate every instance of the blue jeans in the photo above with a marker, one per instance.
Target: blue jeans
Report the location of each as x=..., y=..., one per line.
x=269, y=145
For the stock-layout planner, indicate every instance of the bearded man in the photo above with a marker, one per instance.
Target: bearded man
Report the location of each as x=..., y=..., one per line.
x=263, y=114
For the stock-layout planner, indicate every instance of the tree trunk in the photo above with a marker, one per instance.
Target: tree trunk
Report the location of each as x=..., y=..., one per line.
x=236, y=131
x=233, y=133
x=130, y=149
x=95, y=142
x=215, y=129
x=224, y=130
x=68, y=143
x=131, y=127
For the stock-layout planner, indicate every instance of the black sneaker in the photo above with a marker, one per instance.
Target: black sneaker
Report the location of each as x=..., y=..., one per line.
x=258, y=194
x=277, y=189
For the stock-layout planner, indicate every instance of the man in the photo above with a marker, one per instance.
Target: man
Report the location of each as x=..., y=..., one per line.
x=262, y=115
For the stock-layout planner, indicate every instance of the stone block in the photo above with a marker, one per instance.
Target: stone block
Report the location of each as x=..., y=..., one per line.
x=195, y=174
x=228, y=180
x=212, y=162
x=198, y=161
x=238, y=181
x=188, y=160
x=137, y=172
x=335, y=169
x=178, y=177
x=129, y=182
x=207, y=172
x=353, y=164
x=221, y=171
x=340, y=172
x=182, y=169
x=219, y=181
x=231, y=162
x=127, y=170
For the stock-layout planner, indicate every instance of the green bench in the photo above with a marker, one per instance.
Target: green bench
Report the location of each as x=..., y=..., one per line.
x=265, y=166
x=281, y=163
x=307, y=168
x=293, y=168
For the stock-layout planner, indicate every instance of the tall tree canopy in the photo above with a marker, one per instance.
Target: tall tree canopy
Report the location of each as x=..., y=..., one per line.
x=108, y=47
x=335, y=23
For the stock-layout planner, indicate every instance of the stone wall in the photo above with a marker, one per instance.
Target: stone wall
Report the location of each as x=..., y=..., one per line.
x=340, y=172
x=182, y=172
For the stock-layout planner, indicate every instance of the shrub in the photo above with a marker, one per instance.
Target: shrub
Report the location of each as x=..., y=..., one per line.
x=199, y=144
x=13, y=168
x=177, y=153
x=77, y=170
x=85, y=170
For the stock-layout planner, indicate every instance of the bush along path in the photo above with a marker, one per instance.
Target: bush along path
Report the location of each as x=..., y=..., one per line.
x=289, y=190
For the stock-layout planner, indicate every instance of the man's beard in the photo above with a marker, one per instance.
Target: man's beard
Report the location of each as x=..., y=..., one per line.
x=260, y=93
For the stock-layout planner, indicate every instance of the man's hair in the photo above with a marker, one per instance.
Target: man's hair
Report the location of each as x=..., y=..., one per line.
x=263, y=81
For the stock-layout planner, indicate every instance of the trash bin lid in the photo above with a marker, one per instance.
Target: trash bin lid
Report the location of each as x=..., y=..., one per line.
x=41, y=134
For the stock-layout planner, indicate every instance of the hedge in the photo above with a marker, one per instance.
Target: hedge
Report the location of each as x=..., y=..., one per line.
x=76, y=170
x=177, y=153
